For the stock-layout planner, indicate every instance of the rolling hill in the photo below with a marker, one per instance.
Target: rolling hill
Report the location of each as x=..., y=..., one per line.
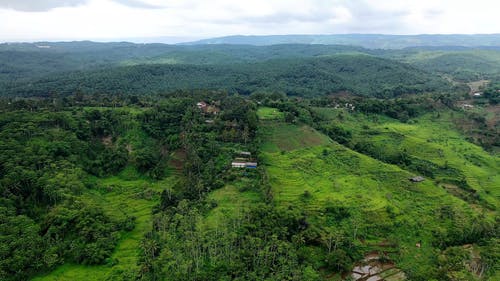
x=24, y=64
x=359, y=74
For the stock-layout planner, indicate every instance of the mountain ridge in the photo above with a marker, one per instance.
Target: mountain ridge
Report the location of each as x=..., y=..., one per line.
x=372, y=41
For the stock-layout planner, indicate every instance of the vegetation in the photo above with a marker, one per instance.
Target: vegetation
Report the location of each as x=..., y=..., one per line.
x=360, y=74
x=374, y=41
x=464, y=65
x=51, y=197
x=66, y=68
x=116, y=173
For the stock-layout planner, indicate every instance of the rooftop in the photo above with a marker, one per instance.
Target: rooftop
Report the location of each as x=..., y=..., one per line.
x=417, y=179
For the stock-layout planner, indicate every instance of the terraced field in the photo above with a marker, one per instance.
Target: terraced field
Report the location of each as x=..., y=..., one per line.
x=381, y=203
x=435, y=147
x=231, y=201
x=127, y=194
x=280, y=136
x=358, y=192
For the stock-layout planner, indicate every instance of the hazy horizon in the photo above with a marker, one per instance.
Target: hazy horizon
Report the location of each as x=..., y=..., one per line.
x=180, y=40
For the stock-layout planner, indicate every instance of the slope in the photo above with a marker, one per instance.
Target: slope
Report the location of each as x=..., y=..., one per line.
x=429, y=145
x=126, y=195
x=463, y=66
x=360, y=74
x=349, y=194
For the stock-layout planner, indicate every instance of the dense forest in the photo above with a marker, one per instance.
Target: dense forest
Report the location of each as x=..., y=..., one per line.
x=38, y=68
x=360, y=74
x=121, y=161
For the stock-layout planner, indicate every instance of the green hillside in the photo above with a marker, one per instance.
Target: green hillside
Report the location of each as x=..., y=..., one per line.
x=213, y=185
x=40, y=69
x=463, y=66
x=459, y=63
x=143, y=188
x=25, y=61
x=374, y=200
x=360, y=74
x=125, y=195
x=429, y=145
x=45, y=63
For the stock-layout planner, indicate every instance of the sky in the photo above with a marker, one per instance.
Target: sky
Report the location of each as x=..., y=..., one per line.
x=184, y=20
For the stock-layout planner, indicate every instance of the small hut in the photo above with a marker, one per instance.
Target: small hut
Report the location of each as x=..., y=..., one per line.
x=417, y=179
x=201, y=105
x=245, y=153
x=238, y=164
x=251, y=165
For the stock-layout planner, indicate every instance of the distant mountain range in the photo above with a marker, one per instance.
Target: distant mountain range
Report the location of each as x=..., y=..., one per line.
x=312, y=69
x=372, y=41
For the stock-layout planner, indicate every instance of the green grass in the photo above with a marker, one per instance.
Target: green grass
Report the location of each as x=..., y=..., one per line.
x=328, y=113
x=390, y=207
x=280, y=136
x=434, y=139
x=309, y=171
x=269, y=113
x=125, y=194
x=231, y=201
x=137, y=138
x=342, y=175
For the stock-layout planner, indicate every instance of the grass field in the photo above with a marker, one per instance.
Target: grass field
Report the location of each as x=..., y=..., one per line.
x=127, y=194
x=431, y=139
x=280, y=136
x=269, y=113
x=231, y=201
x=383, y=204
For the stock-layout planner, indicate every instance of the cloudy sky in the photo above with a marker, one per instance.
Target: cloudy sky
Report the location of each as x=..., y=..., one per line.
x=104, y=20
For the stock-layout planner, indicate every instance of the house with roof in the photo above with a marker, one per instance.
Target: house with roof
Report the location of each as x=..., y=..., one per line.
x=201, y=105
x=245, y=153
x=244, y=160
x=238, y=164
x=251, y=165
x=241, y=164
x=207, y=108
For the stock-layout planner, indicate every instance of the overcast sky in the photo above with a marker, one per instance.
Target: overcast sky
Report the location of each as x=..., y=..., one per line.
x=29, y=20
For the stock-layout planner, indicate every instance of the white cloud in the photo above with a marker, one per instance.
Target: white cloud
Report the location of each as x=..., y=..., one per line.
x=99, y=19
x=38, y=6
x=46, y=5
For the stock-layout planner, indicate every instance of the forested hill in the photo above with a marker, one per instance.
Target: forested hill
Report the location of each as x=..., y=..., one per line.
x=24, y=65
x=28, y=60
x=25, y=62
x=359, y=74
x=374, y=41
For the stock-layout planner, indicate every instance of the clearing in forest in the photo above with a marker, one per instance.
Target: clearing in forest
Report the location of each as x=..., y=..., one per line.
x=363, y=197
x=269, y=113
x=280, y=136
x=127, y=194
x=429, y=144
